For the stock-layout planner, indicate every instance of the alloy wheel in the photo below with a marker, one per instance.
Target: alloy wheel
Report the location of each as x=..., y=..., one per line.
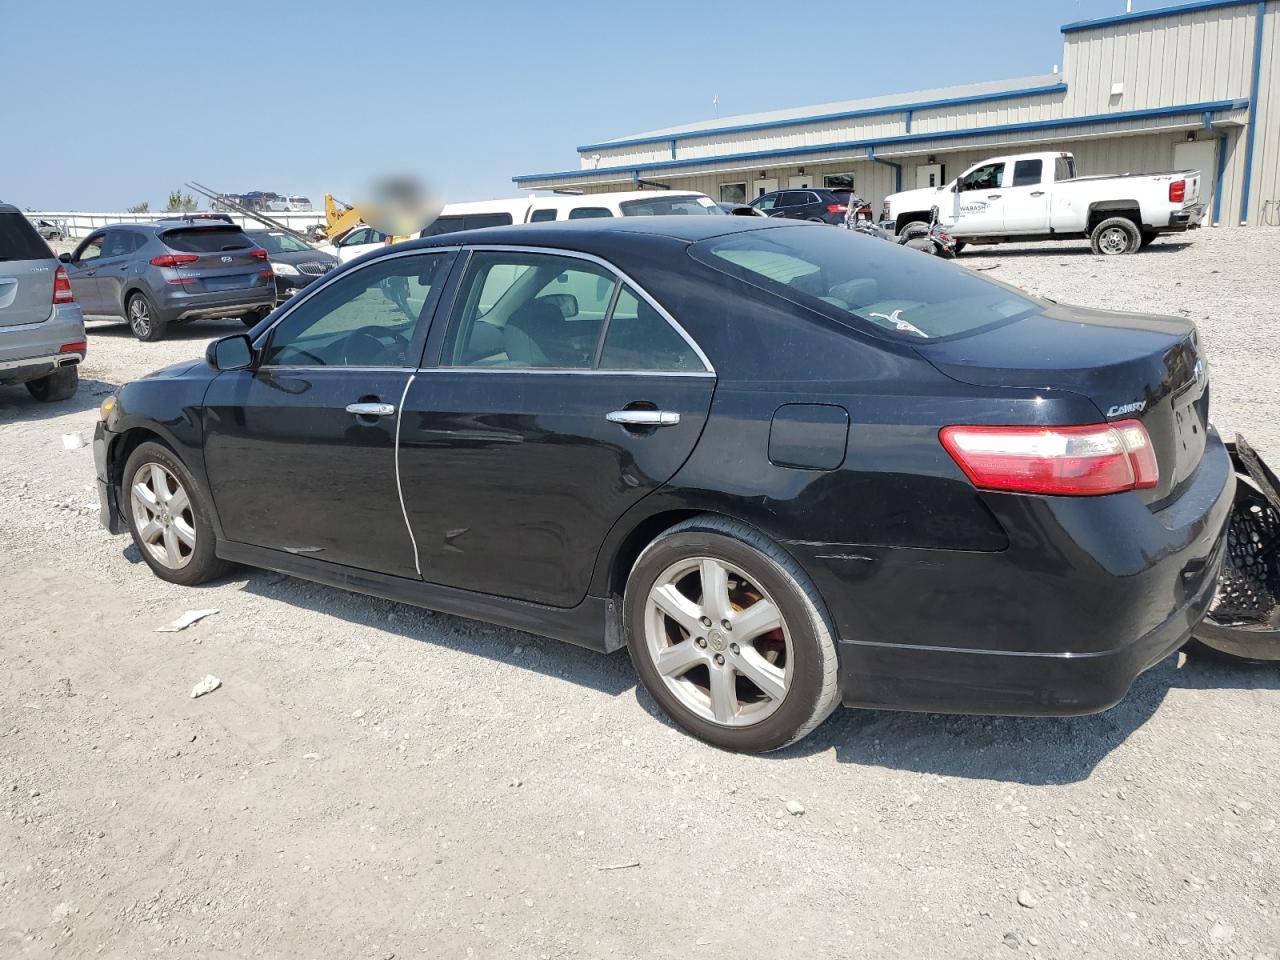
x=139, y=317
x=1114, y=240
x=163, y=516
x=718, y=641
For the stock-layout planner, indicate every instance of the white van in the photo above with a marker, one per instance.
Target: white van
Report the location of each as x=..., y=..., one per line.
x=566, y=206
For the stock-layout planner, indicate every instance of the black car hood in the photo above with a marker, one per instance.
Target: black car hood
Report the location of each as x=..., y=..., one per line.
x=188, y=369
x=304, y=256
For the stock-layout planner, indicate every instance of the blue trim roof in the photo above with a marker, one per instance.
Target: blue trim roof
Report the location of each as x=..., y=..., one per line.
x=1153, y=14
x=827, y=117
x=1213, y=106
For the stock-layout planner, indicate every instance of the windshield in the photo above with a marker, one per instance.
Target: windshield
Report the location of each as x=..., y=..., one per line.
x=662, y=206
x=864, y=281
x=273, y=241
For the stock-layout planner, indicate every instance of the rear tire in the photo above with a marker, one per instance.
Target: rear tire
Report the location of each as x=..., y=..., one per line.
x=1115, y=236
x=169, y=518
x=59, y=385
x=759, y=689
x=145, y=323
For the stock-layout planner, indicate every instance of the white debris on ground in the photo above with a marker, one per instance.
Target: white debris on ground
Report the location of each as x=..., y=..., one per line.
x=1149, y=830
x=209, y=684
x=186, y=620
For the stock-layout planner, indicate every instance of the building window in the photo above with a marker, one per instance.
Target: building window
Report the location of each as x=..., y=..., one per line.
x=838, y=181
x=733, y=193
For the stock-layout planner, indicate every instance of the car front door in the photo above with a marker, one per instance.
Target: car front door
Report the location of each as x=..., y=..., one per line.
x=980, y=197
x=562, y=396
x=1026, y=199
x=82, y=269
x=113, y=269
x=300, y=450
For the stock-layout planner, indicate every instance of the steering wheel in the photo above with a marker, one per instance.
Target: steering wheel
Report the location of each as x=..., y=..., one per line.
x=362, y=346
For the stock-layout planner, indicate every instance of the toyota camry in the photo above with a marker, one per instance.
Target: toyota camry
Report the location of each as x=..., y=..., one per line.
x=786, y=466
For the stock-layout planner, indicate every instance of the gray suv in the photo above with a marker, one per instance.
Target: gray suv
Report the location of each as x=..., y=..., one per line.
x=170, y=271
x=41, y=330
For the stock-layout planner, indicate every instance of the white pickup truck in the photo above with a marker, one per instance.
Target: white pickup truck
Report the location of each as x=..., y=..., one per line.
x=1037, y=196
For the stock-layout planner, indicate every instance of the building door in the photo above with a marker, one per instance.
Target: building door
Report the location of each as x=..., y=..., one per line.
x=929, y=175
x=766, y=185
x=1199, y=155
x=800, y=183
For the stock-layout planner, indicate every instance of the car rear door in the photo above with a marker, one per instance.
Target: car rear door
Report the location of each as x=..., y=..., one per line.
x=114, y=268
x=300, y=450
x=538, y=429
x=1026, y=198
x=27, y=267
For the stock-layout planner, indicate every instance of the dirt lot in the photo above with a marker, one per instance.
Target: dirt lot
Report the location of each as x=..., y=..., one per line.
x=373, y=780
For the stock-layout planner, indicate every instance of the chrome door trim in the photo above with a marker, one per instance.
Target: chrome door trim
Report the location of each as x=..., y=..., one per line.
x=644, y=418
x=371, y=409
x=549, y=371
x=404, y=512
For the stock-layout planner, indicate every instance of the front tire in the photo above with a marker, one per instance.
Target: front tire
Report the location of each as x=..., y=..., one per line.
x=169, y=517
x=145, y=323
x=59, y=385
x=1114, y=237
x=730, y=637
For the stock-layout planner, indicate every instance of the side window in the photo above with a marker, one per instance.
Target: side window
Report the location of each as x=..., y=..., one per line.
x=987, y=177
x=528, y=310
x=542, y=216
x=588, y=213
x=92, y=248
x=356, y=237
x=119, y=243
x=366, y=319
x=640, y=338
x=1064, y=168
x=767, y=202
x=1027, y=173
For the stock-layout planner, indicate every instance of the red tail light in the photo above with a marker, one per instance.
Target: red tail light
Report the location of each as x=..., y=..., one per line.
x=173, y=259
x=1064, y=461
x=258, y=253
x=62, y=287
x=1177, y=191
x=837, y=208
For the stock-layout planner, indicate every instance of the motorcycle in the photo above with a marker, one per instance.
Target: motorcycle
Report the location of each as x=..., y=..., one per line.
x=932, y=239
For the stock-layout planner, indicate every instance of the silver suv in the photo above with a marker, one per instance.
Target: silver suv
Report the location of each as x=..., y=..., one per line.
x=41, y=330
x=171, y=271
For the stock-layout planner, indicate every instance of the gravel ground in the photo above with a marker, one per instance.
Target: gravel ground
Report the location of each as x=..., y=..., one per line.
x=374, y=781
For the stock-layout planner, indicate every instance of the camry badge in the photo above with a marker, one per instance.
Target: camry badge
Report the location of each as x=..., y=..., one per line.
x=1119, y=409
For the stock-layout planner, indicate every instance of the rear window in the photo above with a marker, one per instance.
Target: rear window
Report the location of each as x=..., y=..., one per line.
x=206, y=239
x=473, y=221
x=275, y=242
x=1027, y=172
x=589, y=213
x=19, y=240
x=660, y=206
x=864, y=282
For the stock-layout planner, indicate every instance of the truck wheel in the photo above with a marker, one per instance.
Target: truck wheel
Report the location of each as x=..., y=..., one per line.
x=59, y=385
x=1115, y=236
x=912, y=225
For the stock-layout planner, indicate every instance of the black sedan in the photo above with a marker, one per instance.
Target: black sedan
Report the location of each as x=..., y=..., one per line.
x=294, y=263
x=787, y=467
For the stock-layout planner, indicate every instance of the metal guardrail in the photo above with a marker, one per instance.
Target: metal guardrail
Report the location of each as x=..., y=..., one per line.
x=79, y=224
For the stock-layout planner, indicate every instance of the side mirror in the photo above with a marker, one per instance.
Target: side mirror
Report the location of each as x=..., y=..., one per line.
x=230, y=353
x=64, y=257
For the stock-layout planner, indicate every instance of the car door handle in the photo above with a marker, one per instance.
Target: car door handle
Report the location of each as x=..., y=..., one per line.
x=1037, y=193
x=644, y=418
x=371, y=409
x=993, y=196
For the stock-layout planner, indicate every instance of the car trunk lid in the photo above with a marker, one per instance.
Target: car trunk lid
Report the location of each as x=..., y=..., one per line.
x=27, y=272
x=1131, y=366
x=226, y=259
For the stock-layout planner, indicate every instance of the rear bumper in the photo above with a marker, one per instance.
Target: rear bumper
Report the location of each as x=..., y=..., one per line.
x=1188, y=219
x=33, y=350
x=1089, y=593
x=178, y=305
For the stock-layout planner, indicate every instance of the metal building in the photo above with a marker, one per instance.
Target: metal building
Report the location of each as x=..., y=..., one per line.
x=1189, y=86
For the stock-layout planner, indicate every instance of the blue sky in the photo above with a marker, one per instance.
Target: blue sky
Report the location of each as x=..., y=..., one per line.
x=104, y=105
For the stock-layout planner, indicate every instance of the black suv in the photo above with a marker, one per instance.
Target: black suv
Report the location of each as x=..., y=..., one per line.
x=171, y=271
x=812, y=203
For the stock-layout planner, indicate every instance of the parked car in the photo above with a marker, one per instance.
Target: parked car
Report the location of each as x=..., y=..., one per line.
x=50, y=229
x=294, y=263
x=571, y=206
x=1037, y=196
x=42, y=337
x=171, y=271
x=812, y=204
x=888, y=481
x=740, y=209
x=355, y=243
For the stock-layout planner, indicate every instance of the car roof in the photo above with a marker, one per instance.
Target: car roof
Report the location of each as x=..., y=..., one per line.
x=585, y=235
